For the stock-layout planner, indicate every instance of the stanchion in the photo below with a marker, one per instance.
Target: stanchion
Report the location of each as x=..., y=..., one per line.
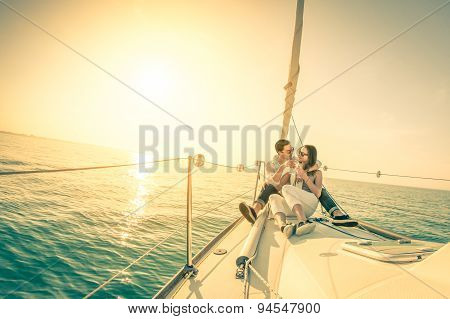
x=189, y=268
x=257, y=180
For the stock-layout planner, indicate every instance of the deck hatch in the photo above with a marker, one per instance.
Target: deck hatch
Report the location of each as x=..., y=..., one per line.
x=390, y=250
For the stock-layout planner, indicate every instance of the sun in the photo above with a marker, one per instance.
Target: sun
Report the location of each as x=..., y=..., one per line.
x=155, y=78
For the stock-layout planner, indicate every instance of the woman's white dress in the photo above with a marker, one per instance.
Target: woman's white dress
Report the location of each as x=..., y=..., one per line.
x=293, y=195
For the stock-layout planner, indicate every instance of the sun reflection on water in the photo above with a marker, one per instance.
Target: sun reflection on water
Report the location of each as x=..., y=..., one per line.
x=143, y=185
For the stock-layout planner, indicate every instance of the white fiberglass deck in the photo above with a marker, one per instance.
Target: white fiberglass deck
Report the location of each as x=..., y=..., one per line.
x=316, y=266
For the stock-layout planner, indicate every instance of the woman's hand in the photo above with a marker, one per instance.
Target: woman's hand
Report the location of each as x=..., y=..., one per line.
x=290, y=164
x=301, y=173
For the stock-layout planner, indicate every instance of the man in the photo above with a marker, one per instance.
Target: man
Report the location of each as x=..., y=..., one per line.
x=277, y=175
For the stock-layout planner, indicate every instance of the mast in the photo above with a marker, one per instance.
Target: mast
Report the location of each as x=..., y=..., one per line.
x=294, y=69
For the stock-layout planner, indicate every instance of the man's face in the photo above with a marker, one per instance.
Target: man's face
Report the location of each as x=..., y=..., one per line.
x=286, y=153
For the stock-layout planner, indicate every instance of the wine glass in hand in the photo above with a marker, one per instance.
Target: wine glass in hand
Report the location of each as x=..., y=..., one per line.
x=301, y=173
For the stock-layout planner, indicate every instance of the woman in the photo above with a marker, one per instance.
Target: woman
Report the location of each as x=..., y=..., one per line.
x=301, y=198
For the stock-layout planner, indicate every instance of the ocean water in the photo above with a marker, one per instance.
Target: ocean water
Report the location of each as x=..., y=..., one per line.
x=63, y=234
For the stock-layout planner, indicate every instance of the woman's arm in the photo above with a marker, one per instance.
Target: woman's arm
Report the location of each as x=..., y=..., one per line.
x=316, y=186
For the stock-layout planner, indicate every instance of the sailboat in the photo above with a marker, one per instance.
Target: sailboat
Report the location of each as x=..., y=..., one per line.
x=257, y=261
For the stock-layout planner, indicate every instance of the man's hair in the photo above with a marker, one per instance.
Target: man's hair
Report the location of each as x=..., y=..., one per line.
x=279, y=146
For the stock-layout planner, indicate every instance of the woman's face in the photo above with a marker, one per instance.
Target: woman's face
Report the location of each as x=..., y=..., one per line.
x=303, y=155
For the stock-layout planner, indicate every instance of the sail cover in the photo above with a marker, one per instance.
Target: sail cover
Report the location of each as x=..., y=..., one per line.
x=294, y=69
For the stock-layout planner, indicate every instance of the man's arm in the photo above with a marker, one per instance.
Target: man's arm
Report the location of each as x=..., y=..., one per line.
x=272, y=175
x=315, y=167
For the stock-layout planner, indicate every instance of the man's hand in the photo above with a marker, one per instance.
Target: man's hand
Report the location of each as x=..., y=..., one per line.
x=315, y=167
x=290, y=164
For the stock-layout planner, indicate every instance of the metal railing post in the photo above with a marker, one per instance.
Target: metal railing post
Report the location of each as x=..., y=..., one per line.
x=264, y=172
x=189, y=214
x=257, y=180
x=190, y=270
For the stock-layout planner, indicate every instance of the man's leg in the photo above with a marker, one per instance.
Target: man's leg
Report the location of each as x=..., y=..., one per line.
x=339, y=218
x=328, y=203
x=257, y=206
x=268, y=190
x=251, y=213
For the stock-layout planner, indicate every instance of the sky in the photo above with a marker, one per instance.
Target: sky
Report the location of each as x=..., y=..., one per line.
x=223, y=63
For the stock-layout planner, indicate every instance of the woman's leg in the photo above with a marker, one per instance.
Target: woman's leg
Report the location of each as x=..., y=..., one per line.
x=298, y=210
x=295, y=198
x=304, y=226
x=302, y=203
x=277, y=207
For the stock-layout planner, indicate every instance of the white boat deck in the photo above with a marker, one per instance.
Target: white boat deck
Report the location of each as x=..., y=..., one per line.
x=315, y=266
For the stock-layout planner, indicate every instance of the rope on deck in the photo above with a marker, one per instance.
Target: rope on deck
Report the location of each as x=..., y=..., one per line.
x=263, y=280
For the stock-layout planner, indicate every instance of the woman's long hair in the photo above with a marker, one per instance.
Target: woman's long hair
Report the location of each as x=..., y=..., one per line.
x=312, y=156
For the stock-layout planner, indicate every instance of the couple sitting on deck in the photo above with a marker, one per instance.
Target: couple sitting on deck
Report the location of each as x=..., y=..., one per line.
x=295, y=186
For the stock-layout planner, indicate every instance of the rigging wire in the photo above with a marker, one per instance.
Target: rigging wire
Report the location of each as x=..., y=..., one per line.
x=230, y=166
x=106, y=166
x=385, y=174
x=378, y=174
x=83, y=168
x=387, y=206
x=362, y=59
x=296, y=129
x=398, y=265
x=104, y=284
x=375, y=204
x=90, y=61
x=345, y=212
x=343, y=231
x=126, y=216
x=342, y=210
x=116, y=224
